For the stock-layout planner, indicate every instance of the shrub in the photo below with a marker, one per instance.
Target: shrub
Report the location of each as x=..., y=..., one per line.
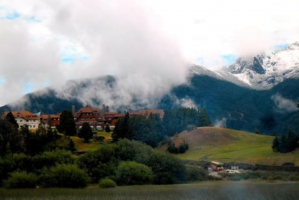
x=100, y=163
x=134, y=150
x=51, y=158
x=167, y=169
x=132, y=173
x=6, y=166
x=65, y=142
x=23, y=162
x=107, y=183
x=21, y=180
x=63, y=175
x=196, y=174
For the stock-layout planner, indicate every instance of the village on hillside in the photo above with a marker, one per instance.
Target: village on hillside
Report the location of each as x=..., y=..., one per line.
x=97, y=119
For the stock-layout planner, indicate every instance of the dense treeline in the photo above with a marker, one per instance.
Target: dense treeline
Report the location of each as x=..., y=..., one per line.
x=23, y=140
x=182, y=148
x=125, y=162
x=285, y=143
x=45, y=158
x=151, y=130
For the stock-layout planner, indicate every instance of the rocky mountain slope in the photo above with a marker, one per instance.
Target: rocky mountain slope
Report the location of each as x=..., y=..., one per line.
x=268, y=69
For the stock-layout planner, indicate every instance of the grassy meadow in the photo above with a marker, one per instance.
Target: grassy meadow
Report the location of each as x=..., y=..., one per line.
x=203, y=191
x=91, y=145
x=227, y=145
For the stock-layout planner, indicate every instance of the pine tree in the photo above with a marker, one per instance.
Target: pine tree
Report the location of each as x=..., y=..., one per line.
x=283, y=144
x=85, y=132
x=291, y=141
x=122, y=128
x=67, y=123
x=107, y=128
x=10, y=118
x=275, y=144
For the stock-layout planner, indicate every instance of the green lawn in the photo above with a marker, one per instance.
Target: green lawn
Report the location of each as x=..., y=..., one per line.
x=226, y=145
x=91, y=145
x=205, y=190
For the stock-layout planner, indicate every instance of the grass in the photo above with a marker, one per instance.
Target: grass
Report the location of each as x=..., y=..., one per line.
x=91, y=145
x=226, y=145
x=205, y=191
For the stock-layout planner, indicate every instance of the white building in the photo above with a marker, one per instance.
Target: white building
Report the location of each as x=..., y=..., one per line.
x=26, y=118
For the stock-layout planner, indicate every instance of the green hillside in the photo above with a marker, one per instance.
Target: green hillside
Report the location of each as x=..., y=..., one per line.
x=227, y=145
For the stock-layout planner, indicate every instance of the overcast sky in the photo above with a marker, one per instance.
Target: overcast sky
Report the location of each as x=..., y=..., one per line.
x=47, y=42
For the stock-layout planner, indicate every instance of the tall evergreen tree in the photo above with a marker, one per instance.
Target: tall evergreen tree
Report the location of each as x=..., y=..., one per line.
x=10, y=140
x=10, y=118
x=291, y=141
x=67, y=123
x=275, y=144
x=85, y=132
x=122, y=128
x=203, y=119
x=282, y=144
x=107, y=128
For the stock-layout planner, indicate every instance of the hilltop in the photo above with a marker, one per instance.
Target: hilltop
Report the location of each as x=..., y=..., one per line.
x=227, y=145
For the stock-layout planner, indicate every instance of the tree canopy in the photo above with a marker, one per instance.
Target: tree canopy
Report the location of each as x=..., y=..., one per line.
x=67, y=123
x=85, y=132
x=152, y=129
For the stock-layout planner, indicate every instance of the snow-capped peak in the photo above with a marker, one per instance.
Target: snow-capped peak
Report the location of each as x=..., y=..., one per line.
x=268, y=69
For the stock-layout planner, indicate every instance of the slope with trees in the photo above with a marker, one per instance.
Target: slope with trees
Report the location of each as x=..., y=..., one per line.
x=152, y=129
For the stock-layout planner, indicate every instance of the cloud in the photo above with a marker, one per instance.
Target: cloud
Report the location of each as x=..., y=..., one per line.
x=221, y=122
x=23, y=62
x=209, y=29
x=283, y=104
x=8, y=13
x=186, y=102
x=145, y=44
x=85, y=40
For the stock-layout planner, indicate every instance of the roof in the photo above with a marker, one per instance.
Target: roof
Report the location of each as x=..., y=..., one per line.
x=23, y=114
x=88, y=109
x=46, y=117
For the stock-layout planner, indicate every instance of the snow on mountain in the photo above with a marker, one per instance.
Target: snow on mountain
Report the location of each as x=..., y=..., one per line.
x=221, y=75
x=268, y=69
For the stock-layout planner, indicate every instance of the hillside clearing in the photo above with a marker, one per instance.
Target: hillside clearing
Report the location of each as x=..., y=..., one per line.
x=227, y=145
x=91, y=145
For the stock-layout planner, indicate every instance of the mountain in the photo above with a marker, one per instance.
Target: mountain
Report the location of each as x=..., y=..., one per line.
x=256, y=93
x=268, y=69
x=241, y=108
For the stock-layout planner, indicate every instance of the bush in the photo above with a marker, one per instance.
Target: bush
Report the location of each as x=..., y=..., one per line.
x=62, y=175
x=7, y=165
x=103, y=162
x=167, y=169
x=132, y=173
x=107, y=183
x=21, y=180
x=100, y=163
x=23, y=163
x=51, y=158
x=195, y=173
x=66, y=143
